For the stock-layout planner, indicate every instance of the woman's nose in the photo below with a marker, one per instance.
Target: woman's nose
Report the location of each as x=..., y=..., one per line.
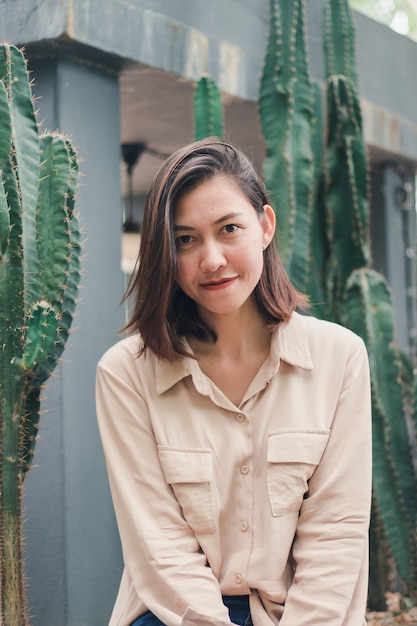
x=212, y=258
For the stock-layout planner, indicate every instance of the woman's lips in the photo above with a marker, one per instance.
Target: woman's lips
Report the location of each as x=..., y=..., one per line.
x=218, y=284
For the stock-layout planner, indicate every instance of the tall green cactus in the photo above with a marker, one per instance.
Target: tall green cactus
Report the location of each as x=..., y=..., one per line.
x=361, y=297
x=345, y=152
x=287, y=103
x=368, y=310
x=39, y=276
x=332, y=252
x=208, y=109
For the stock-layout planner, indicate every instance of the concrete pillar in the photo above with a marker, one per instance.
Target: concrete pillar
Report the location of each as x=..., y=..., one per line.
x=393, y=229
x=73, y=560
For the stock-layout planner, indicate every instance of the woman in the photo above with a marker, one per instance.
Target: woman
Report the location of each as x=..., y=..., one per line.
x=236, y=431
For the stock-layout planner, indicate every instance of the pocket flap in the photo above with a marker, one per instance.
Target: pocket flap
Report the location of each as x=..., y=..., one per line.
x=297, y=446
x=186, y=466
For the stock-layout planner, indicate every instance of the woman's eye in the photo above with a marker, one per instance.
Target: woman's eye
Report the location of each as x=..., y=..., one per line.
x=231, y=228
x=183, y=240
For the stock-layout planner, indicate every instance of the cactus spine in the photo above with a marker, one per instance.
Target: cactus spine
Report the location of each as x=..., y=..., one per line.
x=332, y=250
x=39, y=275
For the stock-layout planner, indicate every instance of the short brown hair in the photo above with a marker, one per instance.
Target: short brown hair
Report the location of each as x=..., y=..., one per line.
x=162, y=313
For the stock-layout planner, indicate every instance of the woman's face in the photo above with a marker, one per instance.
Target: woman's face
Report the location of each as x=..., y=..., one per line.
x=220, y=238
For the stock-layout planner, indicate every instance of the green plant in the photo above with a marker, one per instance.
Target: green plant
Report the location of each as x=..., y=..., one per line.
x=208, y=109
x=39, y=275
x=361, y=300
x=287, y=101
x=328, y=254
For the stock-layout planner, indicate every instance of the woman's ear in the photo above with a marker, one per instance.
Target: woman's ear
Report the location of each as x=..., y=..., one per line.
x=268, y=224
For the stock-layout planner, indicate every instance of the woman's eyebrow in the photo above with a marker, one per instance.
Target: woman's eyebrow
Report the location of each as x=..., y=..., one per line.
x=229, y=216
x=224, y=218
x=179, y=227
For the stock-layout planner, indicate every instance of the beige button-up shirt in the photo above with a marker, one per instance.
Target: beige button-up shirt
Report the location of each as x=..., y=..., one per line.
x=270, y=498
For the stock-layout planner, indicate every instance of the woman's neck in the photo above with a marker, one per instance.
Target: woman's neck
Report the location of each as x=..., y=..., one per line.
x=232, y=362
x=240, y=334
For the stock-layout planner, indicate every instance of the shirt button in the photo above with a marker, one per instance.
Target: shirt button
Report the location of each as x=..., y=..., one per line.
x=240, y=417
x=238, y=579
x=244, y=469
x=244, y=527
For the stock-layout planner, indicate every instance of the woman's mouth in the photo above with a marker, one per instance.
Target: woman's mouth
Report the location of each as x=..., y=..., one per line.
x=215, y=285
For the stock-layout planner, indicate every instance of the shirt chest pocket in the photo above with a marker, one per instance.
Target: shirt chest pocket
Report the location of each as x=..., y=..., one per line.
x=190, y=474
x=292, y=458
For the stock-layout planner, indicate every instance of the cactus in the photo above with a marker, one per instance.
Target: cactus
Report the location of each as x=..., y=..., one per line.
x=345, y=151
x=39, y=275
x=315, y=282
x=287, y=102
x=368, y=310
x=361, y=299
x=332, y=251
x=208, y=109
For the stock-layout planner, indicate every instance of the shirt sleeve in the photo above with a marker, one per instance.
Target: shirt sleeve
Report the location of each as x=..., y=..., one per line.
x=330, y=550
x=169, y=571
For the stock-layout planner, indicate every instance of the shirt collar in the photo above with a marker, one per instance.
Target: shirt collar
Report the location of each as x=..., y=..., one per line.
x=289, y=343
x=293, y=343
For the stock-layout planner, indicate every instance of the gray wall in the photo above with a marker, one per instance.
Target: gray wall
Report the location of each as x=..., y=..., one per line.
x=72, y=548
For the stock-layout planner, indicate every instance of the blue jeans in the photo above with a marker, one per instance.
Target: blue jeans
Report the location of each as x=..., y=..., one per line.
x=238, y=611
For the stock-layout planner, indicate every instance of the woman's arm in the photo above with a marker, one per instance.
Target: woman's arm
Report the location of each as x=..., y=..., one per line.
x=331, y=545
x=160, y=551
